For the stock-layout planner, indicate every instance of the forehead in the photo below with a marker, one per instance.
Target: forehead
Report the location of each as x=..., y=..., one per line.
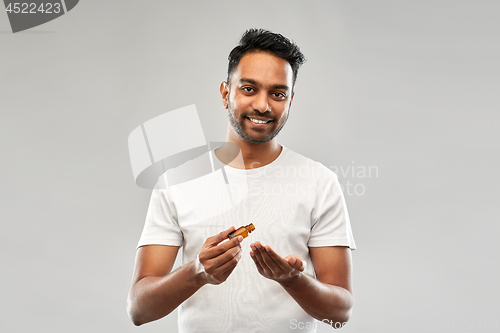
x=265, y=68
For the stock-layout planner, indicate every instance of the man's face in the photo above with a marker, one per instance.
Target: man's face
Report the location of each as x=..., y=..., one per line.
x=259, y=96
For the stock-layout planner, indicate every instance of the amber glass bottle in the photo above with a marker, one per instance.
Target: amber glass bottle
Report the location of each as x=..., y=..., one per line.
x=242, y=231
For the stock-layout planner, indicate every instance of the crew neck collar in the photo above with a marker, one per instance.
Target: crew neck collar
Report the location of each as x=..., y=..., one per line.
x=276, y=161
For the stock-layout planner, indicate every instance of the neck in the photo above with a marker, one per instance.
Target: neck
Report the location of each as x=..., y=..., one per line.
x=251, y=155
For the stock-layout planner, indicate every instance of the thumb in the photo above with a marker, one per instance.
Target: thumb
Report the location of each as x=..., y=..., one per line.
x=296, y=262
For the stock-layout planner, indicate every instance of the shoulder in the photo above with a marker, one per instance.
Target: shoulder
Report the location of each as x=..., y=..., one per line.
x=306, y=167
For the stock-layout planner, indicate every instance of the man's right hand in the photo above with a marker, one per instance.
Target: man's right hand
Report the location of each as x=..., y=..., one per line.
x=156, y=291
x=219, y=260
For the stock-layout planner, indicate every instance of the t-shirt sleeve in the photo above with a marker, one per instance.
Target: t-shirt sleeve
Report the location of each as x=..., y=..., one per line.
x=161, y=227
x=330, y=219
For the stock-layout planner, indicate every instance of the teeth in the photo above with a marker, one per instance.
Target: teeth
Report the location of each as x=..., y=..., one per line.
x=258, y=121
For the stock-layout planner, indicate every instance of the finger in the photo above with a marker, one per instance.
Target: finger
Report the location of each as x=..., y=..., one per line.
x=267, y=261
x=216, y=239
x=222, y=248
x=273, y=266
x=256, y=248
x=223, y=277
x=231, y=243
x=216, y=262
x=257, y=263
x=223, y=271
x=257, y=256
x=277, y=259
x=296, y=262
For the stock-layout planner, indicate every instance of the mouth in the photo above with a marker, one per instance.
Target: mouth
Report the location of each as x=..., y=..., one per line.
x=260, y=122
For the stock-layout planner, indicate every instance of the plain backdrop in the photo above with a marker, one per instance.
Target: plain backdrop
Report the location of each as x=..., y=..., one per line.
x=400, y=98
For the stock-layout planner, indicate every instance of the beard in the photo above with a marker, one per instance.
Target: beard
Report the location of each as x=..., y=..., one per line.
x=240, y=127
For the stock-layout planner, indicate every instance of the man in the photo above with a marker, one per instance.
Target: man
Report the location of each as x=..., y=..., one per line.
x=296, y=205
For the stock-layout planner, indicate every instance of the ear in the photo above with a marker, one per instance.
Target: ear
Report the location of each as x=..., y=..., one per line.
x=224, y=91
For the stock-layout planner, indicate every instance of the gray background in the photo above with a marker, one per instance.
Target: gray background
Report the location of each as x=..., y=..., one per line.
x=408, y=87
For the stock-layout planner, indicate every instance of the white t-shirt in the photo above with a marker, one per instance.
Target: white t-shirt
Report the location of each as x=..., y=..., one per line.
x=293, y=202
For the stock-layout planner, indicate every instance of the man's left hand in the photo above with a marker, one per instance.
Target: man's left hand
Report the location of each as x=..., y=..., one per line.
x=273, y=266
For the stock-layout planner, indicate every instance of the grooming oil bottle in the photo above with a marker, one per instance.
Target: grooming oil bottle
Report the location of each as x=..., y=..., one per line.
x=243, y=231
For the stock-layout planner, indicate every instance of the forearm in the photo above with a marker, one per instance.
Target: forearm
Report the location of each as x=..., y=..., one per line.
x=320, y=300
x=153, y=297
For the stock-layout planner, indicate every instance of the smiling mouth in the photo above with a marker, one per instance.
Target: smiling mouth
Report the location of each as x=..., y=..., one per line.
x=259, y=121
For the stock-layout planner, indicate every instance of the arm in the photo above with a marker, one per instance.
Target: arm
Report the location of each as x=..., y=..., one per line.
x=151, y=296
x=155, y=292
x=326, y=298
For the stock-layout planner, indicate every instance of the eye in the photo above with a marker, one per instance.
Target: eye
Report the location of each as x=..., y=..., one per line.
x=247, y=89
x=279, y=95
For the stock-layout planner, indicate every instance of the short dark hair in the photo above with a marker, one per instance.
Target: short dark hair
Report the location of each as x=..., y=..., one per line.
x=255, y=40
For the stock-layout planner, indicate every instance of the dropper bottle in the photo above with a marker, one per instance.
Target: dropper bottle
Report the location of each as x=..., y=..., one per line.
x=242, y=231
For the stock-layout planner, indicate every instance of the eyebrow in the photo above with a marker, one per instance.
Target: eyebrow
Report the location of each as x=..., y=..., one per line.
x=276, y=86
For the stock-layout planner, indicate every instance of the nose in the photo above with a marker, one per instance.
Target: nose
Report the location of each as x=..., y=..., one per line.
x=261, y=103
